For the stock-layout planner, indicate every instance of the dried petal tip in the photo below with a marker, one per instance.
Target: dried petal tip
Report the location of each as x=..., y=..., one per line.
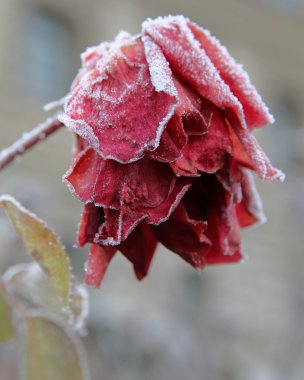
x=164, y=149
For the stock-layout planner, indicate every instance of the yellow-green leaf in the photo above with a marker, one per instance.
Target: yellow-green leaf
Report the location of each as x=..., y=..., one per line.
x=43, y=245
x=6, y=323
x=52, y=352
x=29, y=284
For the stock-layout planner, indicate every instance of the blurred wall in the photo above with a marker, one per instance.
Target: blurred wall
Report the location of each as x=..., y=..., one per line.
x=241, y=322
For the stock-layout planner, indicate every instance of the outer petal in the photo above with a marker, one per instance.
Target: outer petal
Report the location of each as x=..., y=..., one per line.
x=98, y=261
x=119, y=224
x=117, y=108
x=144, y=183
x=185, y=237
x=247, y=149
x=139, y=248
x=250, y=210
x=190, y=62
x=194, y=112
x=255, y=110
x=82, y=176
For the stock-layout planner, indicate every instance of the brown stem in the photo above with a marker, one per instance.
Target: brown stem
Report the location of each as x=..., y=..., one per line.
x=28, y=140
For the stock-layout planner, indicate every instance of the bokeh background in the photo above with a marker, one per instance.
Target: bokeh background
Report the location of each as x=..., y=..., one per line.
x=237, y=322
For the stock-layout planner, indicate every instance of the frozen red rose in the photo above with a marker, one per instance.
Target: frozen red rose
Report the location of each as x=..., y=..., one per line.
x=164, y=148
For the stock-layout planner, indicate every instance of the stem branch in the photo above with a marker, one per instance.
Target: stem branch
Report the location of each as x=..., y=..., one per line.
x=28, y=140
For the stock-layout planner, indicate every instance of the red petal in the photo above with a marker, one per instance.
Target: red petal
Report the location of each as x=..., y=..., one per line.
x=82, y=176
x=120, y=223
x=224, y=233
x=117, y=108
x=190, y=62
x=192, y=110
x=184, y=236
x=255, y=110
x=250, y=152
x=98, y=261
x=91, y=219
x=206, y=200
x=161, y=213
x=207, y=153
x=139, y=248
x=172, y=141
x=250, y=210
x=144, y=183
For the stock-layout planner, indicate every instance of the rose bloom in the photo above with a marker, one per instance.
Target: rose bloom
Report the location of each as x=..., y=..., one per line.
x=164, y=148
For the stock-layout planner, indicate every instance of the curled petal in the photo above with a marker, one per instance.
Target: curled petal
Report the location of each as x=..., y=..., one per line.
x=207, y=200
x=172, y=141
x=82, y=176
x=97, y=264
x=116, y=107
x=207, y=153
x=194, y=114
x=184, y=236
x=250, y=210
x=139, y=248
x=190, y=62
x=233, y=74
x=246, y=149
x=92, y=218
x=224, y=233
x=144, y=183
x=119, y=224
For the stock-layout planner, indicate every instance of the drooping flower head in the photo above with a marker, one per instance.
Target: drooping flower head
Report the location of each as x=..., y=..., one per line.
x=164, y=148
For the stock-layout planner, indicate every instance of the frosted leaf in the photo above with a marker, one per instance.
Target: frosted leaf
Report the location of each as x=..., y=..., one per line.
x=49, y=283
x=43, y=245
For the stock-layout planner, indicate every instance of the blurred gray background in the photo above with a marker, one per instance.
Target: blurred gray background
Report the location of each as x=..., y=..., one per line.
x=238, y=322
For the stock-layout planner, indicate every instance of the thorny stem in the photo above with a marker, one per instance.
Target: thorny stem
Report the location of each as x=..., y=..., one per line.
x=28, y=140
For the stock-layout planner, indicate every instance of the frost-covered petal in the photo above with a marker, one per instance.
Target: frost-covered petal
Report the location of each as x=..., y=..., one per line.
x=139, y=248
x=119, y=224
x=189, y=61
x=250, y=210
x=82, y=176
x=97, y=264
x=224, y=233
x=233, y=74
x=172, y=141
x=116, y=107
x=246, y=147
x=184, y=236
x=144, y=183
x=157, y=215
x=194, y=112
x=92, y=218
x=207, y=200
x=207, y=153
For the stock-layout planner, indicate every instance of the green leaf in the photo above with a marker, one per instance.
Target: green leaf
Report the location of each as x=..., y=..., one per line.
x=43, y=245
x=6, y=323
x=52, y=352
